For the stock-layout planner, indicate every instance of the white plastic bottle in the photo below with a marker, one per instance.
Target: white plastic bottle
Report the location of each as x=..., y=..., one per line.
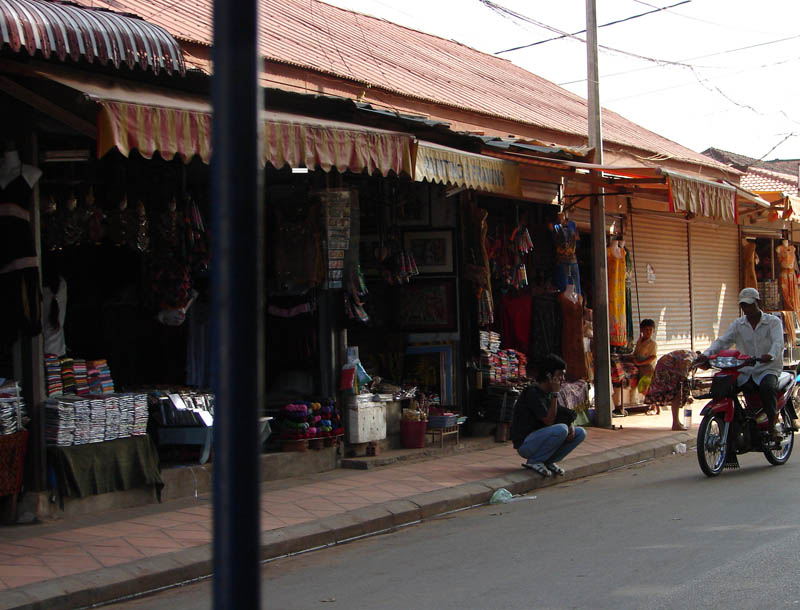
x=687, y=417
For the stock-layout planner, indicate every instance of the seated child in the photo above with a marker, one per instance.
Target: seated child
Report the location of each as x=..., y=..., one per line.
x=644, y=357
x=635, y=371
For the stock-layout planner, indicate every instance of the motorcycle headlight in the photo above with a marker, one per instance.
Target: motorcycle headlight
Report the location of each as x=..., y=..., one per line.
x=725, y=362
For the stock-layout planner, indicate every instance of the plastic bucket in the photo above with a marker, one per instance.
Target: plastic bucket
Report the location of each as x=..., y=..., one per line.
x=412, y=434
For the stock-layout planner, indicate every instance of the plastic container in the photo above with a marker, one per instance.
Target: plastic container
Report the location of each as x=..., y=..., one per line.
x=687, y=417
x=366, y=422
x=412, y=433
x=442, y=421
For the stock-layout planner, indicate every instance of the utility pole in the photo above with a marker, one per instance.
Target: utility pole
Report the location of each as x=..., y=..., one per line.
x=602, y=339
x=237, y=283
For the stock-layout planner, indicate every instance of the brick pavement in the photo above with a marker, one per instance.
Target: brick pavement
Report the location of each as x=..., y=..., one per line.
x=36, y=558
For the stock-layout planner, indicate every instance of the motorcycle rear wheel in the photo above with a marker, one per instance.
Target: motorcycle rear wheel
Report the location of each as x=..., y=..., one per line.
x=780, y=455
x=710, y=450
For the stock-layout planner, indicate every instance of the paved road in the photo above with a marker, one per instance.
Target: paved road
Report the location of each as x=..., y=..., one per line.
x=655, y=535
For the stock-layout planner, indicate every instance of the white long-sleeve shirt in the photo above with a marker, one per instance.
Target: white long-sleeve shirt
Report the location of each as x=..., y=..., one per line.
x=765, y=338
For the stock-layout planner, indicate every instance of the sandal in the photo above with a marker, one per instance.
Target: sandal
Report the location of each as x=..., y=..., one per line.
x=538, y=467
x=616, y=413
x=555, y=469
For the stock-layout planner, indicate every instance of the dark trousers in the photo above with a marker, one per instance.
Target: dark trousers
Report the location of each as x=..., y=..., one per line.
x=766, y=391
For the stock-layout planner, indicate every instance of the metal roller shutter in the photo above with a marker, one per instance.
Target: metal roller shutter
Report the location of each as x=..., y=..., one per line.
x=662, y=244
x=714, y=258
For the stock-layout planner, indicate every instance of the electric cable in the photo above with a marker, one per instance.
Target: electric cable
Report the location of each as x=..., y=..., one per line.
x=752, y=46
x=509, y=13
x=533, y=44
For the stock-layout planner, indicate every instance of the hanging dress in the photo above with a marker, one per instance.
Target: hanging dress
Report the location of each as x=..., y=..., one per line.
x=617, y=323
x=572, y=337
x=749, y=279
x=628, y=299
x=787, y=259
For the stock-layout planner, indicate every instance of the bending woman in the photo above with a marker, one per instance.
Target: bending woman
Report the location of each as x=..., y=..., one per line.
x=670, y=384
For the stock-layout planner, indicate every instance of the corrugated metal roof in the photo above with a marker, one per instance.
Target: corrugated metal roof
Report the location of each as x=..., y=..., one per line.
x=763, y=180
x=67, y=30
x=317, y=36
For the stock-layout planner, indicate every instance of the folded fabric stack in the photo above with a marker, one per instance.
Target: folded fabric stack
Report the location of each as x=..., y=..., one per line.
x=81, y=377
x=106, y=383
x=125, y=415
x=517, y=364
x=12, y=408
x=93, y=378
x=83, y=415
x=67, y=374
x=310, y=420
x=97, y=426
x=140, y=415
x=52, y=371
x=112, y=417
x=59, y=422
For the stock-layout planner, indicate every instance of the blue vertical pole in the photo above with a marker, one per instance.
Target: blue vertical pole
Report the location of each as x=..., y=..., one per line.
x=237, y=303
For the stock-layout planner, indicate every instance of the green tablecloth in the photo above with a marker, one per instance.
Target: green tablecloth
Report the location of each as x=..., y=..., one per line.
x=96, y=468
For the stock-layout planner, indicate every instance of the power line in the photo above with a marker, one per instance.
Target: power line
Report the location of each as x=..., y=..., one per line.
x=704, y=80
x=533, y=44
x=790, y=135
x=689, y=17
x=718, y=53
x=509, y=13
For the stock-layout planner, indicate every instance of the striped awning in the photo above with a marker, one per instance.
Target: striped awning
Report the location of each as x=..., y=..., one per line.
x=701, y=197
x=300, y=141
x=150, y=129
x=172, y=123
x=94, y=35
x=445, y=165
x=289, y=140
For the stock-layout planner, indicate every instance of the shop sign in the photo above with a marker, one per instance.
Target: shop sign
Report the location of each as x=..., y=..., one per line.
x=457, y=168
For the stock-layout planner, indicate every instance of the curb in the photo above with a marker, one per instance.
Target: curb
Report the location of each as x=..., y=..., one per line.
x=109, y=584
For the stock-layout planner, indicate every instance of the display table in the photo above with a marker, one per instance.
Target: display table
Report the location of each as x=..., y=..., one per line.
x=442, y=432
x=202, y=436
x=187, y=435
x=96, y=468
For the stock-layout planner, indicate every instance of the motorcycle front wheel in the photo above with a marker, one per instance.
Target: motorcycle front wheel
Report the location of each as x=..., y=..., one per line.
x=780, y=455
x=710, y=449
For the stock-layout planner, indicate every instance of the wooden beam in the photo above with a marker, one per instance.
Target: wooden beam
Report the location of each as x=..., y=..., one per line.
x=47, y=107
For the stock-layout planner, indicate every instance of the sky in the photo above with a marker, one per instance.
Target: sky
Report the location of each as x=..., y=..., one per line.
x=705, y=73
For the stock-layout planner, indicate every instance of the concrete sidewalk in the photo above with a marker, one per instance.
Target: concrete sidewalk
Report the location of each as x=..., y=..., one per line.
x=89, y=560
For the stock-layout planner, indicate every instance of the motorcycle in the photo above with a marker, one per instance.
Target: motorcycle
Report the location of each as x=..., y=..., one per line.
x=730, y=428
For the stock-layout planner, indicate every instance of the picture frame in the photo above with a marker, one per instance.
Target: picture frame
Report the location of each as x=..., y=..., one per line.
x=367, y=243
x=432, y=250
x=413, y=207
x=428, y=305
x=431, y=368
x=444, y=210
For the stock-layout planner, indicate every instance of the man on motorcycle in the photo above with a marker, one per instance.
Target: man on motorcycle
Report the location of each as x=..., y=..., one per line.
x=760, y=335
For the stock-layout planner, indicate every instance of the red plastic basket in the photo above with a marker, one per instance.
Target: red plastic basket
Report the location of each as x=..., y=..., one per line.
x=412, y=433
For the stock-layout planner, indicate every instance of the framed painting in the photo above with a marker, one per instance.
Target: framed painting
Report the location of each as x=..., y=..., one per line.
x=368, y=244
x=432, y=250
x=428, y=305
x=413, y=206
x=444, y=211
x=430, y=367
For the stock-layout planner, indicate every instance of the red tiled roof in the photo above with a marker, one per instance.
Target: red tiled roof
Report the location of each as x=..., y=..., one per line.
x=758, y=179
x=317, y=36
x=742, y=162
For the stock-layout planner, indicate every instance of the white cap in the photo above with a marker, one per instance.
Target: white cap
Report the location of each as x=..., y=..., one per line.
x=749, y=296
